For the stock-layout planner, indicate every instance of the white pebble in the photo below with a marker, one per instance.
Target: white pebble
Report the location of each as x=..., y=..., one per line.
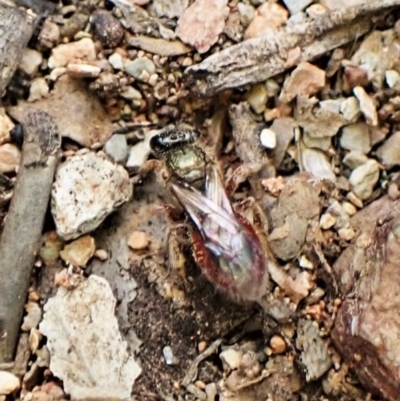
x=268, y=138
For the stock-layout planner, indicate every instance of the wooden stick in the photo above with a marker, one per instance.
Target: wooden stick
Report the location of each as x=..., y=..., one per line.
x=24, y=223
x=16, y=27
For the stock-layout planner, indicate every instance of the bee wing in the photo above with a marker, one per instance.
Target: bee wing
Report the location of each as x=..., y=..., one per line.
x=202, y=210
x=215, y=191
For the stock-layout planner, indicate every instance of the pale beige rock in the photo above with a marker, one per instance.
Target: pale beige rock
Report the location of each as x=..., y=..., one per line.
x=346, y=234
x=63, y=54
x=6, y=125
x=257, y=98
x=389, y=152
x=87, y=189
x=268, y=16
x=202, y=22
x=49, y=35
x=78, y=112
x=38, y=89
x=367, y=106
x=356, y=137
x=306, y=79
x=277, y=344
x=79, y=252
x=10, y=157
x=30, y=61
x=355, y=159
x=86, y=347
x=363, y=179
x=316, y=163
x=33, y=316
x=9, y=383
x=168, y=8
x=327, y=221
x=392, y=78
x=138, y=240
x=231, y=358
x=78, y=70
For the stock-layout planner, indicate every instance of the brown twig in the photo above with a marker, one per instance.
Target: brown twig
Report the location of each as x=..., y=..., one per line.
x=23, y=227
x=258, y=59
x=16, y=28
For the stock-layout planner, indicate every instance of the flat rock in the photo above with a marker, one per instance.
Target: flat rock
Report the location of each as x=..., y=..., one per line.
x=367, y=106
x=363, y=179
x=367, y=327
x=86, y=348
x=305, y=79
x=356, y=137
x=201, y=24
x=117, y=148
x=389, y=152
x=77, y=112
x=87, y=189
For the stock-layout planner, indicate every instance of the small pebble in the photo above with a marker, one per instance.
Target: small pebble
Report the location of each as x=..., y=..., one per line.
x=268, y=138
x=305, y=263
x=30, y=61
x=33, y=316
x=393, y=191
x=49, y=35
x=138, y=240
x=367, y=106
x=392, y=78
x=231, y=358
x=117, y=148
x=63, y=54
x=6, y=125
x=106, y=28
x=356, y=201
x=277, y=344
x=356, y=137
x=363, y=179
x=346, y=234
x=38, y=89
x=79, y=251
x=389, y=152
x=9, y=383
x=138, y=66
x=202, y=346
x=350, y=109
x=76, y=70
x=101, y=254
x=116, y=61
x=130, y=93
x=10, y=157
x=257, y=98
x=246, y=13
x=349, y=208
x=169, y=355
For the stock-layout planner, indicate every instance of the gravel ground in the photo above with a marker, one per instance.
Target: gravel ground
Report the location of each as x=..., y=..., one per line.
x=295, y=107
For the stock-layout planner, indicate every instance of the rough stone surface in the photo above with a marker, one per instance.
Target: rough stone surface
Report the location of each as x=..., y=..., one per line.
x=356, y=137
x=389, y=152
x=363, y=179
x=78, y=252
x=87, y=189
x=202, y=22
x=137, y=66
x=306, y=79
x=86, y=348
x=367, y=328
x=63, y=54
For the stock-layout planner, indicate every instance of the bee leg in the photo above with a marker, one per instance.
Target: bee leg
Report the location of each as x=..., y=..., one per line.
x=241, y=174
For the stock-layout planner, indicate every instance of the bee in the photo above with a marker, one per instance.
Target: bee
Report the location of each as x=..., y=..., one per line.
x=229, y=247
